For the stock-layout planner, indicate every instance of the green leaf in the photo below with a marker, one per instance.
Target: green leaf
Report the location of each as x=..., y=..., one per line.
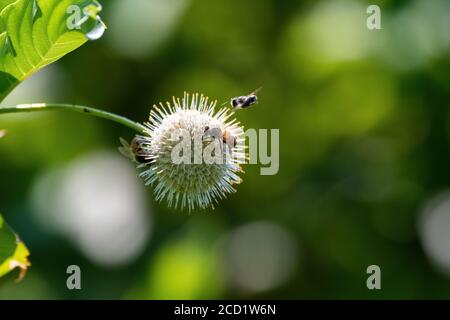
x=36, y=33
x=13, y=252
x=4, y=3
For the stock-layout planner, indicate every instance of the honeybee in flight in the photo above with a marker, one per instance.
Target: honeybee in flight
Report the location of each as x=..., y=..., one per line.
x=243, y=102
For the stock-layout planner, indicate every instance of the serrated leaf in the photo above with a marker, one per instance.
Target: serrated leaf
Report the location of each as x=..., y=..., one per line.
x=13, y=252
x=36, y=33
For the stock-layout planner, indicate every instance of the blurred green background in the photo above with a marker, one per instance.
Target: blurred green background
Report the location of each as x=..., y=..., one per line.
x=364, y=174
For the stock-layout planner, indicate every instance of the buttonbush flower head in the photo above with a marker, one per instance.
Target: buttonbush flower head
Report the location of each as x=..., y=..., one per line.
x=187, y=129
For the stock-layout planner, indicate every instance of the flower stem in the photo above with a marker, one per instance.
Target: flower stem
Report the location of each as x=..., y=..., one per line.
x=75, y=108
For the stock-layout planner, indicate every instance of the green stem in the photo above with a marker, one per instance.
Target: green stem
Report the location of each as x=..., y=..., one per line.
x=75, y=108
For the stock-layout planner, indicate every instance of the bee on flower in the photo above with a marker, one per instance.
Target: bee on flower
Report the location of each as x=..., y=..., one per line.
x=190, y=153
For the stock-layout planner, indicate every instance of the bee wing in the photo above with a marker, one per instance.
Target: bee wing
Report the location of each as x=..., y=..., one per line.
x=125, y=149
x=217, y=133
x=214, y=133
x=256, y=91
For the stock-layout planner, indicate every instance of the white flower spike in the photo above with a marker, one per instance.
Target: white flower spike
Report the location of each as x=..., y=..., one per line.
x=187, y=129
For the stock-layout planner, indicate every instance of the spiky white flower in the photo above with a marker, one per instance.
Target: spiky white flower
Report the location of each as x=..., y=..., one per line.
x=191, y=184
